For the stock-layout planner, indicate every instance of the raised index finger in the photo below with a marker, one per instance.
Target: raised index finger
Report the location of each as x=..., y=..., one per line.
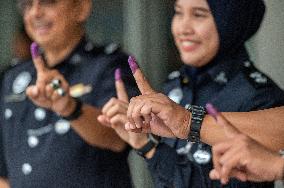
x=141, y=81
x=37, y=59
x=120, y=87
x=229, y=128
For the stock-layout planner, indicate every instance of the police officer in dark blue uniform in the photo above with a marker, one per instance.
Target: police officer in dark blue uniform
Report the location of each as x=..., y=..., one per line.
x=50, y=136
x=210, y=36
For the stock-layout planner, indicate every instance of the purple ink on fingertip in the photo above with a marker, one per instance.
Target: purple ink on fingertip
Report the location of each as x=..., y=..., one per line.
x=117, y=74
x=35, y=50
x=212, y=110
x=132, y=63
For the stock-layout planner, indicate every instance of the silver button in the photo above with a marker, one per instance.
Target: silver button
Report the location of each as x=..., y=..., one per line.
x=40, y=114
x=62, y=127
x=176, y=95
x=8, y=113
x=26, y=169
x=33, y=141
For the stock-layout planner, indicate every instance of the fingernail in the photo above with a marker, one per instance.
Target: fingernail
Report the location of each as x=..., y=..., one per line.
x=132, y=63
x=35, y=50
x=117, y=74
x=212, y=110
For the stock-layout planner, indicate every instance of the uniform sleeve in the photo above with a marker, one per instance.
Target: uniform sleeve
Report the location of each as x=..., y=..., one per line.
x=263, y=98
x=169, y=169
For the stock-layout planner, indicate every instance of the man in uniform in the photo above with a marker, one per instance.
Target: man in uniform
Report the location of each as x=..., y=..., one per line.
x=50, y=136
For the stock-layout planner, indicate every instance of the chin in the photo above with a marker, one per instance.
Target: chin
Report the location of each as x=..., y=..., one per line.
x=191, y=61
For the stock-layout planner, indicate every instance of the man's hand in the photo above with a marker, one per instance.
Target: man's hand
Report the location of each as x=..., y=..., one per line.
x=51, y=90
x=155, y=112
x=242, y=157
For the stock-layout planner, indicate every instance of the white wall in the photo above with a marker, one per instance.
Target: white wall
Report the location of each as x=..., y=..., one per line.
x=268, y=53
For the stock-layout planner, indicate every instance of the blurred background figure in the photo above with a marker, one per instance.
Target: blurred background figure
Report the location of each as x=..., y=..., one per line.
x=21, y=43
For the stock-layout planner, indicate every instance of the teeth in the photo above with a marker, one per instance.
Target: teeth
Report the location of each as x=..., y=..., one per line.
x=40, y=24
x=187, y=43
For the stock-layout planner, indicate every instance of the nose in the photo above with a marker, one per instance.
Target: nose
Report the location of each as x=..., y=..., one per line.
x=186, y=26
x=36, y=9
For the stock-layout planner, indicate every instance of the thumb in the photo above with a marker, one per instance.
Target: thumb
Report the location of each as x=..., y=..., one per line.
x=120, y=87
x=229, y=128
x=141, y=81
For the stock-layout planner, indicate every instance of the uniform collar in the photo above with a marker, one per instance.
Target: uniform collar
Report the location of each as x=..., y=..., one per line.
x=75, y=57
x=219, y=71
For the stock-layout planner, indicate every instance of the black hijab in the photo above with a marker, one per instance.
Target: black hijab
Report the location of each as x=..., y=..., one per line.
x=236, y=22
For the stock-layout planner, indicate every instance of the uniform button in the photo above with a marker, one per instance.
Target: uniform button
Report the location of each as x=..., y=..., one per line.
x=40, y=114
x=26, y=169
x=62, y=127
x=76, y=59
x=89, y=46
x=33, y=141
x=8, y=113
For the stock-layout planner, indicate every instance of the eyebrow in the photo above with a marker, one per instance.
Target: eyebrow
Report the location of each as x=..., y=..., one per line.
x=201, y=9
x=205, y=10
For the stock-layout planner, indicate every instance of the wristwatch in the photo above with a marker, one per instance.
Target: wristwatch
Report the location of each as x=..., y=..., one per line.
x=76, y=113
x=197, y=116
x=153, y=141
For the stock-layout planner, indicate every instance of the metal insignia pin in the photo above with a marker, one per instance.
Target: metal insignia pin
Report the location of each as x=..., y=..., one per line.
x=221, y=78
x=21, y=82
x=202, y=156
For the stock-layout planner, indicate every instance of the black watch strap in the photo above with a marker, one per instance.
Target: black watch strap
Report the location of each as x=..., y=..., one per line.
x=197, y=116
x=76, y=113
x=153, y=141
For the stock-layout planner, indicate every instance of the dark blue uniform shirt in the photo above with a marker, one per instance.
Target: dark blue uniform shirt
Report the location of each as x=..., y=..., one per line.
x=233, y=86
x=38, y=148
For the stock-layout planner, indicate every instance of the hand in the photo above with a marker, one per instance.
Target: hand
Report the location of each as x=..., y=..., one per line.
x=155, y=112
x=114, y=115
x=242, y=157
x=43, y=94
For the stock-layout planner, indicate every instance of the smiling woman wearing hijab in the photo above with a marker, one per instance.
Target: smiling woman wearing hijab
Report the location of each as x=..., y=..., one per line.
x=210, y=36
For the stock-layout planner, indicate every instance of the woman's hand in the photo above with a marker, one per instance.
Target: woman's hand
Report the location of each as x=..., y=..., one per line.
x=114, y=115
x=154, y=112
